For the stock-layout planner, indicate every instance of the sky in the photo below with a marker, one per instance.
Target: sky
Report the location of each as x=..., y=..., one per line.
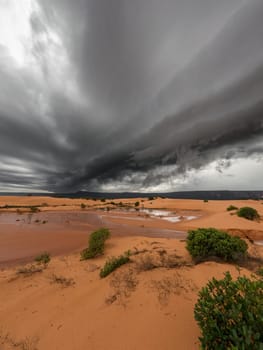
x=141, y=95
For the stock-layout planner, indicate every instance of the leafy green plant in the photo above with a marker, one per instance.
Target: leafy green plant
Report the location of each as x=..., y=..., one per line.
x=113, y=263
x=204, y=243
x=43, y=258
x=248, y=213
x=231, y=207
x=96, y=244
x=230, y=314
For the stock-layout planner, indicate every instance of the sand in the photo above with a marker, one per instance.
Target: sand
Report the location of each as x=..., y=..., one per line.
x=68, y=306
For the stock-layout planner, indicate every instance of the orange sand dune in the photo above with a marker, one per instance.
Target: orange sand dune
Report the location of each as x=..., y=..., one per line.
x=68, y=306
x=152, y=310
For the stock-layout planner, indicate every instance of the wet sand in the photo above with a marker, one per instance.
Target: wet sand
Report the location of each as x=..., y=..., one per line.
x=62, y=227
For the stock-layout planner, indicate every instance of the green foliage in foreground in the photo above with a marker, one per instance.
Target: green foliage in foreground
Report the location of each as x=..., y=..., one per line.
x=43, y=258
x=113, y=263
x=96, y=244
x=231, y=207
x=248, y=213
x=210, y=242
x=230, y=314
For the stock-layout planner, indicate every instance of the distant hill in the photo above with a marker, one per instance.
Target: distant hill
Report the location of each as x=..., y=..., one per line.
x=209, y=195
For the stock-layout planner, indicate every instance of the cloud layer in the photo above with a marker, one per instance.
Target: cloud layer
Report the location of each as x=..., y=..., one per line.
x=130, y=95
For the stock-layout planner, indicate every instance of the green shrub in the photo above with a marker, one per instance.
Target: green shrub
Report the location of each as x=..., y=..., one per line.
x=205, y=200
x=136, y=204
x=113, y=263
x=210, y=242
x=43, y=258
x=230, y=314
x=231, y=207
x=248, y=213
x=83, y=206
x=96, y=244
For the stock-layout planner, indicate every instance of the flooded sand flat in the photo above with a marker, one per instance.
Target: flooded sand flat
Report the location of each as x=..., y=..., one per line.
x=23, y=236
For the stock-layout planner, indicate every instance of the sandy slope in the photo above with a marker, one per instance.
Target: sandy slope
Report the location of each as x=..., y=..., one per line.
x=144, y=310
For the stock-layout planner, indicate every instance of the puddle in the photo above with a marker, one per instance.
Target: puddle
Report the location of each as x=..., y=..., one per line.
x=167, y=215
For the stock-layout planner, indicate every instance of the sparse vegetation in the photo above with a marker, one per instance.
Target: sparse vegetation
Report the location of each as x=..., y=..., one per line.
x=83, y=206
x=113, y=263
x=103, y=200
x=34, y=209
x=96, y=244
x=205, y=200
x=205, y=243
x=248, y=213
x=173, y=285
x=123, y=284
x=28, y=271
x=231, y=207
x=151, y=198
x=63, y=281
x=43, y=258
x=229, y=314
x=136, y=204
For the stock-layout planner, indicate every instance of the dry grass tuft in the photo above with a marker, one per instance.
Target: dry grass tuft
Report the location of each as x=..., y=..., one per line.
x=62, y=281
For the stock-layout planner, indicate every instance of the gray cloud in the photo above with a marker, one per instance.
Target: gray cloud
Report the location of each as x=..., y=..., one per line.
x=131, y=92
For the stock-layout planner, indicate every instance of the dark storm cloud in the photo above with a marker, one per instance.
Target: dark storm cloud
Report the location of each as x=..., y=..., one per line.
x=151, y=89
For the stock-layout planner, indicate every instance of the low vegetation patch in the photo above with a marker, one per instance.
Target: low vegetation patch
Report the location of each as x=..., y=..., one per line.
x=28, y=271
x=113, y=263
x=205, y=243
x=96, y=244
x=34, y=209
x=231, y=207
x=229, y=314
x=123, y=284
x=248, y=213
x=43, y=258
x=63, y=281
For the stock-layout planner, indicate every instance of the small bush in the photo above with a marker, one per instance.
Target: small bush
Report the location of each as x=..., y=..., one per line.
x=230, y=314
x=136, y=204
x=96, y=244
x=205, y=200
x=113, y=263
x=34, y=209
x=231, y=207
x=210, y=242
x=248, y=213
x=43, y=258
x=83, y=206
x=103, y=200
